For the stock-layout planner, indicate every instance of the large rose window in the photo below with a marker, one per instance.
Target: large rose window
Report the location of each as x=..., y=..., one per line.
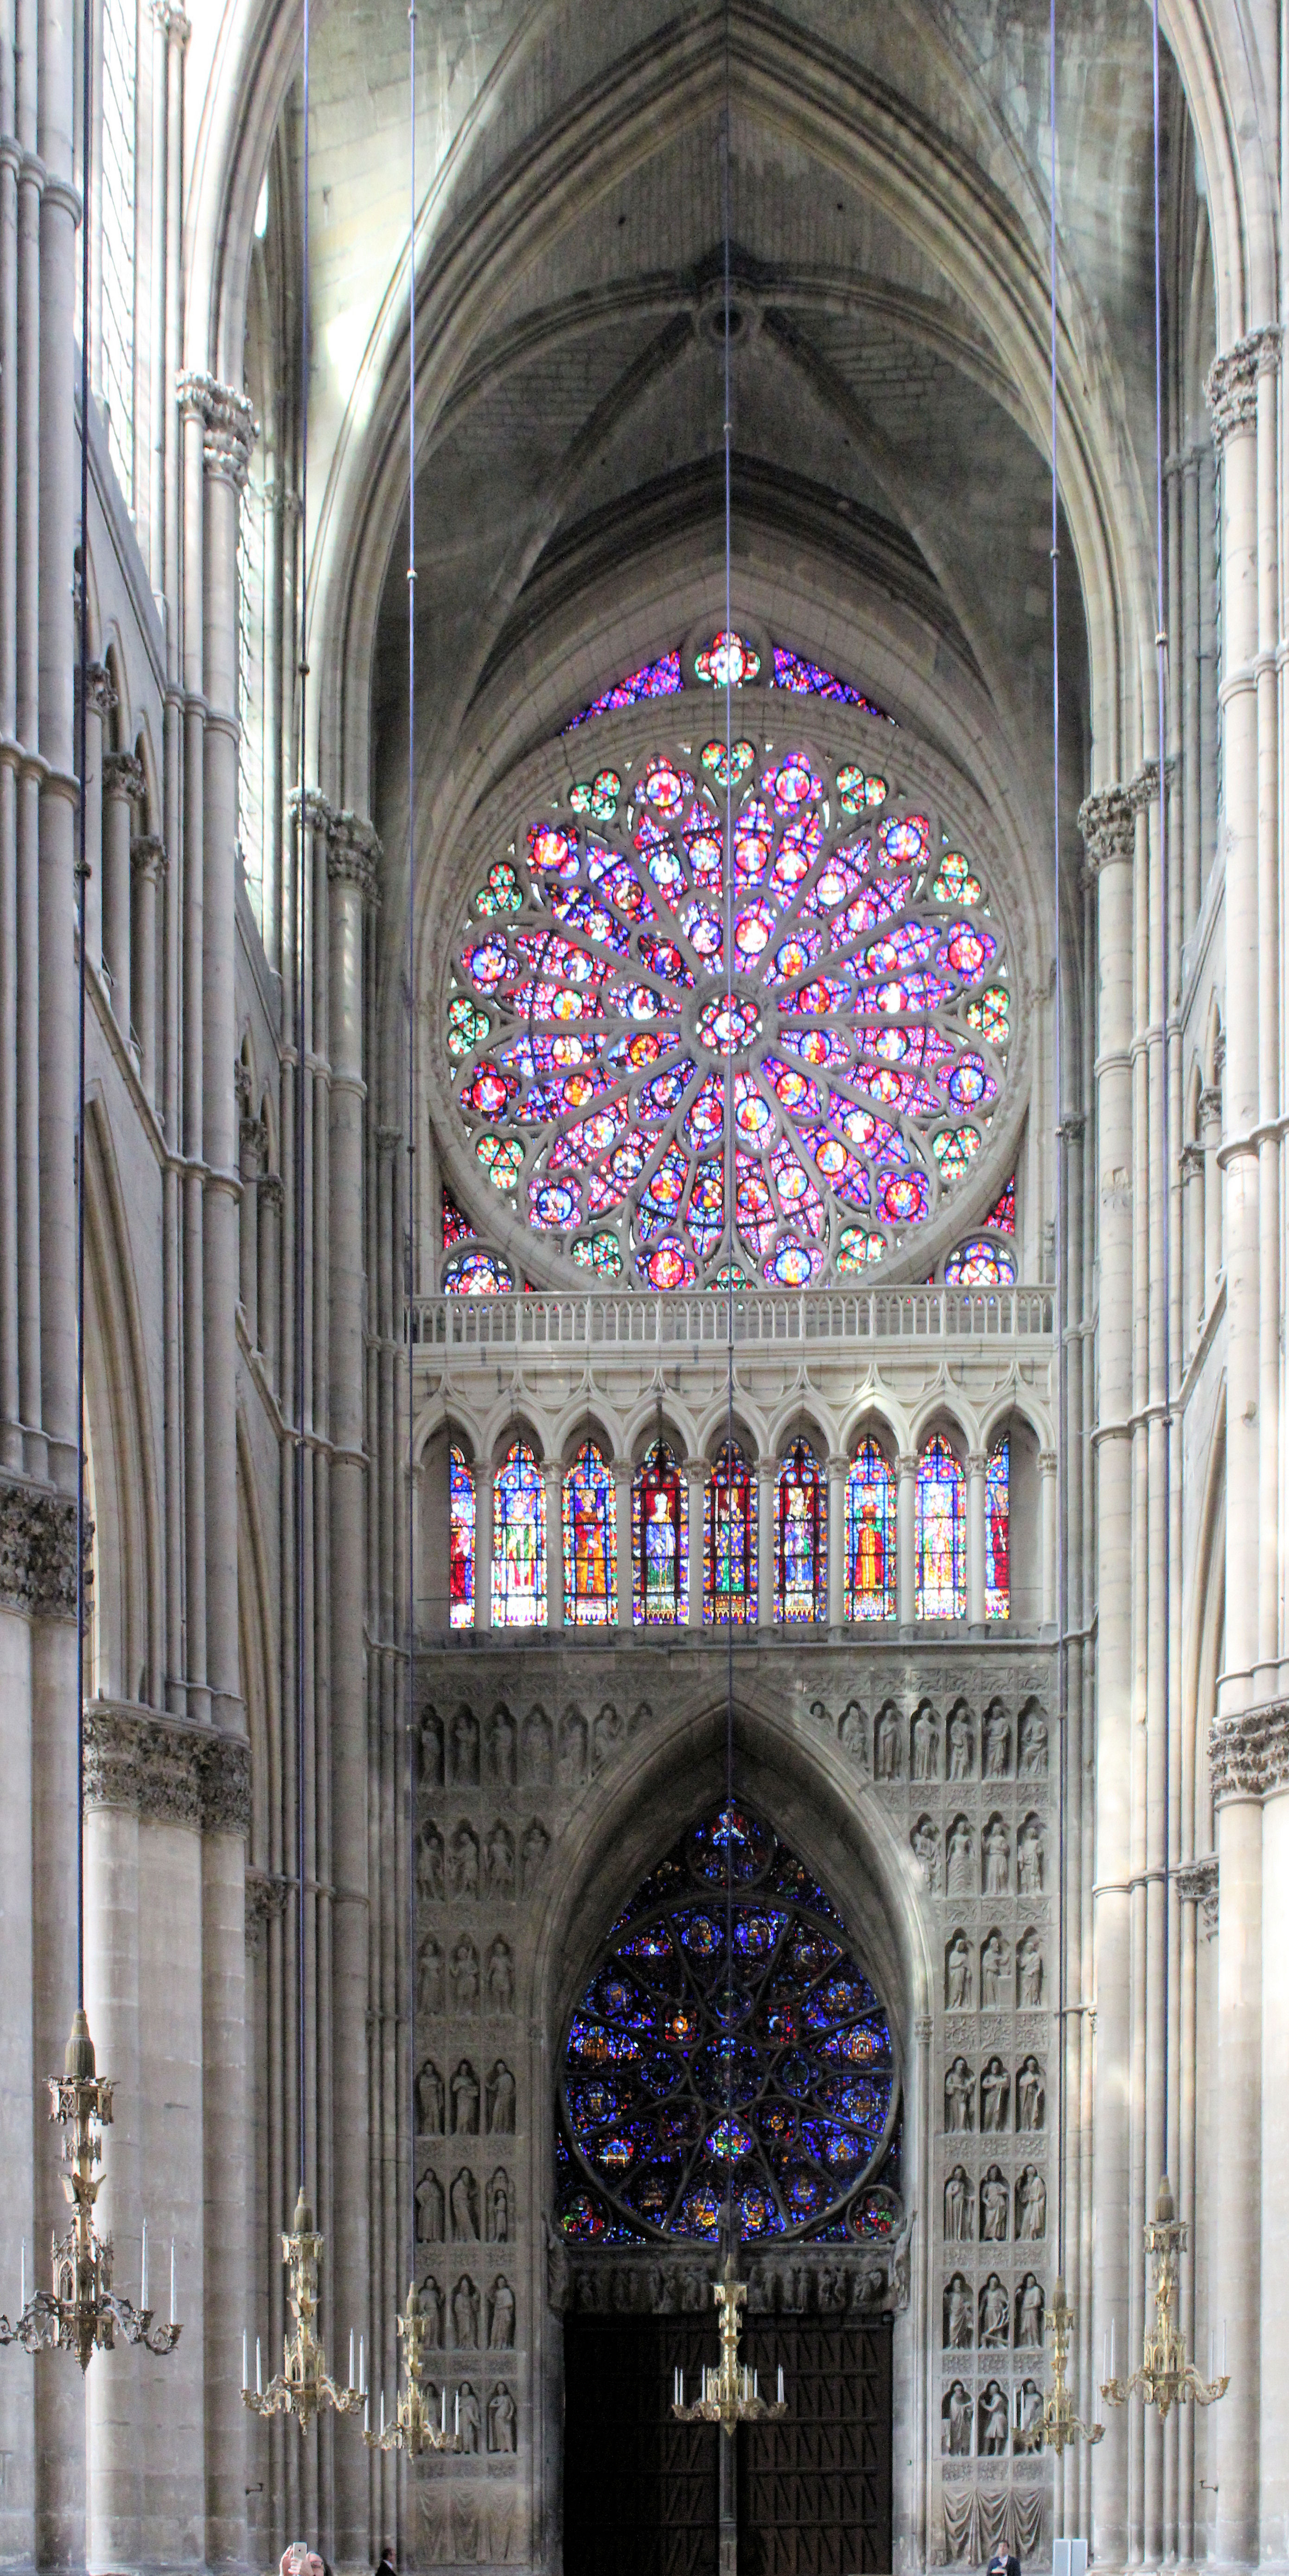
x=616, y=1003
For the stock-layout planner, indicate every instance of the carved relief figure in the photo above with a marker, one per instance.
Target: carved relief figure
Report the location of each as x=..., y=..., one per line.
x=1029, y=2095
x=429, y=2210
x=463, y=1863
x=429, y=1865
x=431, y=1768
x=994, y=2198
x=1029, y=1973
x=1033, y=1746
x=467, y=2416
x=429, y=1978
x=1029, y=2315
x=993, y=2314
x=465, y=1976
x=499, y=2208
x=886, y=1750
x=501, y=1977
x=501, y=2102
x=537, y=1746
x=957, y=2422
x=926, y=1746
x=463, y=2204
x=429, y=2100
x=501, y=2316
x=572, y=1746
x=499, y=1855
x=957, y=1974
x=994, y=2089
x=465, y=1750
x=997, y=1742
x=957, y=2315
x=465, y=2101
x=465, y=2314
x=961, y=1746
x=960, y=1848
x=1031, y=2204
x=432, y=2311
x=503, y=1749
x=993, y=2421
x=925, y=1842
x=852, y=1734
x=959, y=2095
x=1029, y=1858
x=502, y=2419
x=958, y=2208
x=536, y=1846
x=996, y=1851
x=995, y=1955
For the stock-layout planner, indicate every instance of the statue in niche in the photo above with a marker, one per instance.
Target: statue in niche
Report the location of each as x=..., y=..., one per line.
x=432, y=2311
x=467, y=2418
x=926, y=1746
x=463, y=1863
x=994, y=2205
x=851, y=1734
x=500, y=1858
x=465, y=1750
x=429, y=2210
x=499, y=2208
x=501, y=1977
x=886, y=1746
x=957, y=2315
x=465, y=2101
x=537, y=1746
x=960, y=1745
x=535, y=1847
x=993, y=2314
x=1030, y=2103
x=996, y=1853
x=1029, y=2315
x=463, y=2205
x=959, y=2096
x=994, y=2089
x=993, y=2421
x=465, y=1976
x=465, y=2315
x=608, y=1731
x=1031, y=2406
x=958, y=2208
x=998, y=1744
x=1029, y=1973
x=429, y=2100
x=995, y=1955
x=1033, y=1746
x=925, y=1842
x=429, y=1977
x=1029, y=1858
x=429, y=1865
x=960, y=1849
x=501, y=2102
x=503, y=1749
x=1031, y=2205
x=572, y=1747
x=501, y=2315
x=431, y=1751
x=957, y=1974
x=957, y=2422
x=503, y=2422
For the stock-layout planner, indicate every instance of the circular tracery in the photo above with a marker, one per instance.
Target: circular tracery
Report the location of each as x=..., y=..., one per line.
x=857, y=1032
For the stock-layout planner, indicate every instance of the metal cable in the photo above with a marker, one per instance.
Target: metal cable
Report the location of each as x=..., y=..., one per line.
x=82, y=879
x=302, y=674
x=1165, y=1138
x=410, y=1698
x=1059, y=1229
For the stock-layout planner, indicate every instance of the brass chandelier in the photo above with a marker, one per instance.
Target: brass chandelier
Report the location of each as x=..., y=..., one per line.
x=303, y=2386
x=413, y=2429
x=730, y=2393
x=1166, y=2378
x=1058, y=2428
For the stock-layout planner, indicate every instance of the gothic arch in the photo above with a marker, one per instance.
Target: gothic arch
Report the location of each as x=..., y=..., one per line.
x=119, y=1428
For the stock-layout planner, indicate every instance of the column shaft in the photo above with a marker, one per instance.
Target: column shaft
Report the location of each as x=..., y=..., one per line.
x=696, y=1474
x=122, y=790
x=838, y=1471
x=906, y=1492
x=622, y=1532
x=553, y=1489
x=976, y=1540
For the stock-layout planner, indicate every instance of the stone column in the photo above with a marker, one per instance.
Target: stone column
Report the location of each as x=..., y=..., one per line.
x=268, y=1293
x=1236, y=1775
x=696, y=1476
x=1273, y=2369
x=622, y=1533
x=100, y=705
x=1047, y=1536
x=553, y=1489
x=122, y=791
x=1210, y=1128
x=148, y=863
x=22, y=1511
x=838, y=1472
x=976, y=1463
x=906, y=1503
x=1192, y=1247
x=251, y=1141
x=767, y=1490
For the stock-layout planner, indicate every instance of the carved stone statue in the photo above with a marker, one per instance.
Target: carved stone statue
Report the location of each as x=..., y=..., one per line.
x=429, y=1865
x=1029, y=1858
x=926, y=1746
x=886, y=1753
x=1029, y=2096
x=429, y=2100
x=465, y=2100
x=429, y=1978
x=431, y=1751
x=957, y=2422
x=501, y=1978
x=1029, y=1973
x=429, y=2210
x=465, y=1750
x=997, y=1856
x=463, y=1865
x=501, y=2101
x=535, y=1847
x=995, y=1954
x=957, y=1974
x=537, y=1746
x=500, y=1857
x=502, y=2419
x=960, y=1849
x=465, y=1976
x=432, y=2311
x=997, y=1742
x=463, y=2203
x=958, y=2208
x=960, y=1745
x=1031, y=2204
x=925, y=1842
x=994, y=2089
x=465, y=2315
x=501, y=2316
x=959, y=2095
x=1029, y=2315
x=499, y=2208
x=957, y=2315
x=1033, y=1746
x=993, y=2314
x=503, y=1749
x=467, y=2416
x=994, y=2198
x=993, y=2421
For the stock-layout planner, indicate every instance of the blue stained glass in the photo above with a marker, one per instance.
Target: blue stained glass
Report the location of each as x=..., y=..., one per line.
x=997, y=1532
x=590, y=1542
x=460, y=1540
x=800, y=1538
x=809, y=679
x=660, y=679
x=518, y=1541
x=870, y=1535
x=659, y=1541
x=941, y=1534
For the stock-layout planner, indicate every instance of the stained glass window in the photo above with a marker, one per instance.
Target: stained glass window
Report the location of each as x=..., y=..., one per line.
x=658, y=679
x=456, y=1224
x=518, y=1541
x=590, y=1541
x=1002, y=1216
x=870, y=1535
x=800, y=1538
x=809, y=679
x=460, y=1540
x=659, y=1541
x=941, y=1551
x=699, y=2072
x=601, y=1045
x=979, y=1264
x=477, y=1274
x=729, y=1541
x=997, y=1559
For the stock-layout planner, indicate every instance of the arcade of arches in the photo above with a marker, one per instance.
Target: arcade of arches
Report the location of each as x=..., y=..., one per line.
x=772, y=1269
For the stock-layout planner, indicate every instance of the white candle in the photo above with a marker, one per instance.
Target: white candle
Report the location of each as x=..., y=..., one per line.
x=351, y=2356
x=781, y=2383
x=245, y=2381
x=366, y=2415
x=259, y=2387
x=362, y=2365
x=1210, y=2352
x=172, y=2280
x=23, y=2276
x=1112, y=2347
x=1224, y=2343
x=382, y=2414
x=143, y=2269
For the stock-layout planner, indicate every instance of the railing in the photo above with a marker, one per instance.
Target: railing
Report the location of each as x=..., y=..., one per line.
x=602, y=1320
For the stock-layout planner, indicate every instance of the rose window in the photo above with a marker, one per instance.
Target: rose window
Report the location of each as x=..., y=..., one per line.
x=678, y=1077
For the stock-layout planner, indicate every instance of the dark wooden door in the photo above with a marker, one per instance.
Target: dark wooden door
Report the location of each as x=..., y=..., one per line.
x=640, y=2490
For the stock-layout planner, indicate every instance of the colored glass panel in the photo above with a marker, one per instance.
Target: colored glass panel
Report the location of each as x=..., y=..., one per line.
x=941, y=1534
x=858, y=789
x=809, y=679
x=456, y=1224
x=729, y=1542
x=660, y=679
x=1002, y=1215
x=460, y=1541
x=727, y=661
x=870, y=1535
x=518, y=1541
x=590, y=1541
x=800, y=1538
x=728, y=2052
x=659, y=1541
x=980, y=1264
x=997, y=1541
x=477, y=1274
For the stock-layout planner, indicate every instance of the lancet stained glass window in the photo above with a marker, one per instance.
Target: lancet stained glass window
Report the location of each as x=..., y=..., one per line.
x=590, y=1541
x=997, y=1542
x=518, y=1541
x=696, y=2069
x=941, y=1552
x=477, y=1274
x=600, y=1044
x=800, y=1538
x=729, y=1542
x=460, y=1540
x=659, y=1541
x=870, y=1535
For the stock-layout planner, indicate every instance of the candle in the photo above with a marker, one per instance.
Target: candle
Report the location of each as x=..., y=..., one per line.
x=351, y=2356
x=259, y=2385
x=366, y=2415
x=781, y=2383
x=245, y=2381
x=1210, y=2352
x=1224, y=2343
x=456, y=2419
x=172, y=2280
x=382, y=2414
x=362, y=2365
x=1112, y=2347
x=143, y=2272
x=23, y=2276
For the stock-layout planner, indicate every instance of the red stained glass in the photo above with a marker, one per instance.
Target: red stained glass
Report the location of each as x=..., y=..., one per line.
x=460, y=1541
x=729, y=1542
x=997, y=1534
x=590, y=1541
x=941, y=1534
x=659, y=1541
x=800, y=1538
x=870, y=1535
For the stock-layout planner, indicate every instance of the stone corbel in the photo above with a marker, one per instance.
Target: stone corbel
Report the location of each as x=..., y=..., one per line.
x=266, y=1896
x=148, y=857
x=37, y=1551
x=1231, y=385
x=1197, y=1885
x=230, y=425
x=1107, y=824
x=123, y=776
x=1143, y=787
x=354, y=854
x=166, y=1770
x=100, y=695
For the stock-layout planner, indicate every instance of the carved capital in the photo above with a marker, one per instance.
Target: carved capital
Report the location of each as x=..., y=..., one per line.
x=318, y=813
x=1192, y=1162
x=1143, y=788
x=1197, y=1885
x=1047, y=1462
x=1106, y=822
x=1231, y=386
x=265, y=1897
x=123, y=776
x=906, y=1464
x=171, y=21
x=148, y=857
x=230, y=424
x=353, y=855
x=100, y=695
x=1210, y=1106
x=166, y=1769
x=1249, y=1754
x=272, y=1193
x=977, y=1462
x=37, y=1551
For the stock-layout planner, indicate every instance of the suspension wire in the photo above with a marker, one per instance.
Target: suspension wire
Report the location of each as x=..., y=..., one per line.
x=1165, y=1137
x=410, y=1697
x=1059, y=1177
x=82, y=879
x=728, y=1087
x=301, y=907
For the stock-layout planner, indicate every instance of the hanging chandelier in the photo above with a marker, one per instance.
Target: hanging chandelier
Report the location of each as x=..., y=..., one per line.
x=1166, y=2377
x=1058, y=2428
x=730, y=2394
x=414, y=2429
x=303, y=2386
